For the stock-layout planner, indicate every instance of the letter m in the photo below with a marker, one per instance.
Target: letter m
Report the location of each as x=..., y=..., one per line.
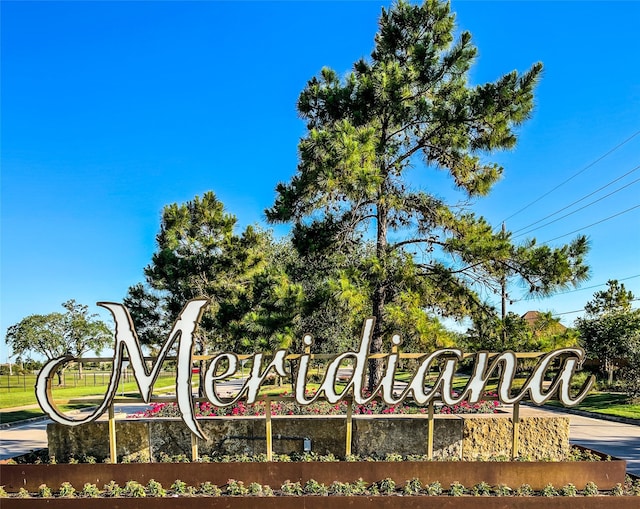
x=127, y=339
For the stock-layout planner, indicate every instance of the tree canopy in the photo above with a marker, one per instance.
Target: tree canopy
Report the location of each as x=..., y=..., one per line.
x=610, y=331
x=410, y=105
x=614, y=299
x=199, y=254
x=74, y=333
x=541, y=334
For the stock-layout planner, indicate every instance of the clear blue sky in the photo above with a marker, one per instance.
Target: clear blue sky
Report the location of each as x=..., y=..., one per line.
x=111, y=110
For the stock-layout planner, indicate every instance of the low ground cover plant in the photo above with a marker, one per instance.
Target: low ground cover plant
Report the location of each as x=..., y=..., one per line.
x=235, y=488
x=575, y=454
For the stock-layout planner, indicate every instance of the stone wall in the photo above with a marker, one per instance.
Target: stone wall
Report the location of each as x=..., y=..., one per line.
x=462, y=437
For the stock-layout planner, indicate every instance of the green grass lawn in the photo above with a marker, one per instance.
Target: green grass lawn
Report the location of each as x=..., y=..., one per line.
x=19, y=396
x=608, y=403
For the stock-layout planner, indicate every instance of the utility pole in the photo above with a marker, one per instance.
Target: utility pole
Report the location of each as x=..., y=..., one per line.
x=503, y=284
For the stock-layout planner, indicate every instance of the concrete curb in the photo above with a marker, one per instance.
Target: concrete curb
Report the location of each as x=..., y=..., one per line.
x=7, y=425
x=39, y=418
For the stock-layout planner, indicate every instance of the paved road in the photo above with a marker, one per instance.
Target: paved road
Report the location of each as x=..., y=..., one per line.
x=24, y=438
x=619, y=440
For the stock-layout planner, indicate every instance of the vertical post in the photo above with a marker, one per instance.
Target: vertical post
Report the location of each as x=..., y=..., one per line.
x=267, y=413
x=194, y=440
x=516, y=430
x=349, y=426
x=194, y=448
x=112, y=436
x=430, y=435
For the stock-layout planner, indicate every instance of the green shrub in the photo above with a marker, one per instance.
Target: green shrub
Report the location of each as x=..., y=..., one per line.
x=23, y=493
x=291, y=488
x=524, y=491
x=417, y=457
x=576, y=454
x=590, y=490
x=267, y=491
x=206, y=488
x=569, y=490
x=413, y=487
x=304, y=456
x=313, y=487
x=359, y=487
x=618, y=490
x=236, y=488
x=44, y=491
x=341, y=488
x=133, y=489
x=548, y=491
x=327, y=458
x=456, y=489
x=66, y=490
x=90, y=491
x=481, y=489
x=502, y=490
x=3, y=493
x=155, y=489
x=386, y=486
x=179, y=487
x=112, y=489
x=255, y=488
x=434, y=489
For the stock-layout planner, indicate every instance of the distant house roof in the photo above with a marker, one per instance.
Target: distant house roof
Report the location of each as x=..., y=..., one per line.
x=532, y=316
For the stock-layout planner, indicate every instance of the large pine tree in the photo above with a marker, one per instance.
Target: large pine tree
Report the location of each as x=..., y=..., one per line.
x=411, y=105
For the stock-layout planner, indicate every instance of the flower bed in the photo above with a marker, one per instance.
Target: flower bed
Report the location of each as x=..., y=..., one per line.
x=287, y=407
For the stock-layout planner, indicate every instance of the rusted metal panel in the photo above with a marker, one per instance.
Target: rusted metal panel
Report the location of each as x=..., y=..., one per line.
x=328, y=502
x=605, y=474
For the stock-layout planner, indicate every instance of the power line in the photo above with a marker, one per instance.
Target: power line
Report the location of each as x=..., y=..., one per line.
x=568, y=312
x=573, y=176
x=592, y=224
x=578, y=209
x=579, y=200
x=581, y=289
x=581, y=310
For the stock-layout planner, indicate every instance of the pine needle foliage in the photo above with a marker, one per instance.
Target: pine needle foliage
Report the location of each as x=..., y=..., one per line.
x=411, y=105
